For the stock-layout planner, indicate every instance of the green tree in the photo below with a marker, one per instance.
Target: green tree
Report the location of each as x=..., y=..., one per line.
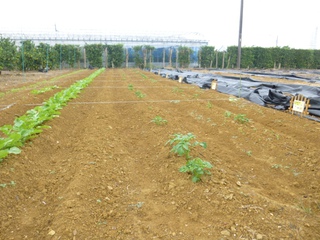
x=276, y=56
x=94, y=54
x=149, y=50
x=62, y=54
x=206, y=56
x=247, y=57
x=232, y=52
x=8, y=54
x=316, y=59
x=54, y=60
x=262, y=57
x=303, y=58
x=138, y=56
x=115, y=55
x=286, y=57
x=29, y=56
x=184, y=56
x=43, y=59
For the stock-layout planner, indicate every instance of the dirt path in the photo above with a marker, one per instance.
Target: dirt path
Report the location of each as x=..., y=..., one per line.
x=103, y=170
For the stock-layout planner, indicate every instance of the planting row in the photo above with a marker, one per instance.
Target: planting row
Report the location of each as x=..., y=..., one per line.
x=29, y=125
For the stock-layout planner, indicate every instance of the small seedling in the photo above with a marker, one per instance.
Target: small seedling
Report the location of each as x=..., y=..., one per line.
x=183, y=145
x=276, y=166
x=209, y=105
x=130, y=87
x=159, y=120
x=227, y=114
x=3, y=185
x=307, y=210
x=139, y=94
x=295, y=173
x=144, y=76
x=241, y=118
x=197, y=167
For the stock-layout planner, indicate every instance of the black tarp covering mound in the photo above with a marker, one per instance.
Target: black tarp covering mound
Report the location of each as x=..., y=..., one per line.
x=276, y=95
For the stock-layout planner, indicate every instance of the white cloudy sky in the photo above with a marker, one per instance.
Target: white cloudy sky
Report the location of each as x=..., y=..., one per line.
x=266, y=23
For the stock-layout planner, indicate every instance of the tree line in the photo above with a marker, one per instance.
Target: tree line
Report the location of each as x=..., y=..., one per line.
x=28, y=56
x=258, y=57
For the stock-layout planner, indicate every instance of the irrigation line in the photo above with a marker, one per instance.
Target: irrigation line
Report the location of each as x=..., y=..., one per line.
x=151, y=101
x=7, y=106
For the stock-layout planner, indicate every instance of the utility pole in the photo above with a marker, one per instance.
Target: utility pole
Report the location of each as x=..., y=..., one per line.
x=240, y=36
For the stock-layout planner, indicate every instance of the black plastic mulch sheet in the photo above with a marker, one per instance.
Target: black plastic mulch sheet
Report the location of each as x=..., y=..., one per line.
x=276, y=95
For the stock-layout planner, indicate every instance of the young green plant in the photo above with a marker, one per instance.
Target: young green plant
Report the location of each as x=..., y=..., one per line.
x=159, y=120
x=182, y=145
x=130, y=87
x=197, y=167
x=43, y=90
x=241, y=118
x=139, y=94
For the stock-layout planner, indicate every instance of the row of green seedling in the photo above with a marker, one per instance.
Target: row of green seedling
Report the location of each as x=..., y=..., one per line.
x=30, y=124
x=43, y=90
x=182, y=146
x=241, y=118
x=138, y=93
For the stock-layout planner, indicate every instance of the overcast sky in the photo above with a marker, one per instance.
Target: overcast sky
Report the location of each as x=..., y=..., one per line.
x=266, y=23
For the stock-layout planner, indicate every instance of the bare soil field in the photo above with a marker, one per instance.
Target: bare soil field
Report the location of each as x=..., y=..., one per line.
x=103, y=170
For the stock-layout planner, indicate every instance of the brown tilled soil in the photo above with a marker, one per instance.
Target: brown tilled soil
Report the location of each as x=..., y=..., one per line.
x=103, y=170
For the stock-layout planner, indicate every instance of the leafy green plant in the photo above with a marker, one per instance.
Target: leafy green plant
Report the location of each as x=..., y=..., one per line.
x=144, y=76
x=159, y=120
x=182, y=144
x=276, y=166
x=197, y=167
x=241, y=118
x=3, y=185
x=43, y=90
x=139, y=94
x=209, y=105
x=130, y=87
x=227, y=114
